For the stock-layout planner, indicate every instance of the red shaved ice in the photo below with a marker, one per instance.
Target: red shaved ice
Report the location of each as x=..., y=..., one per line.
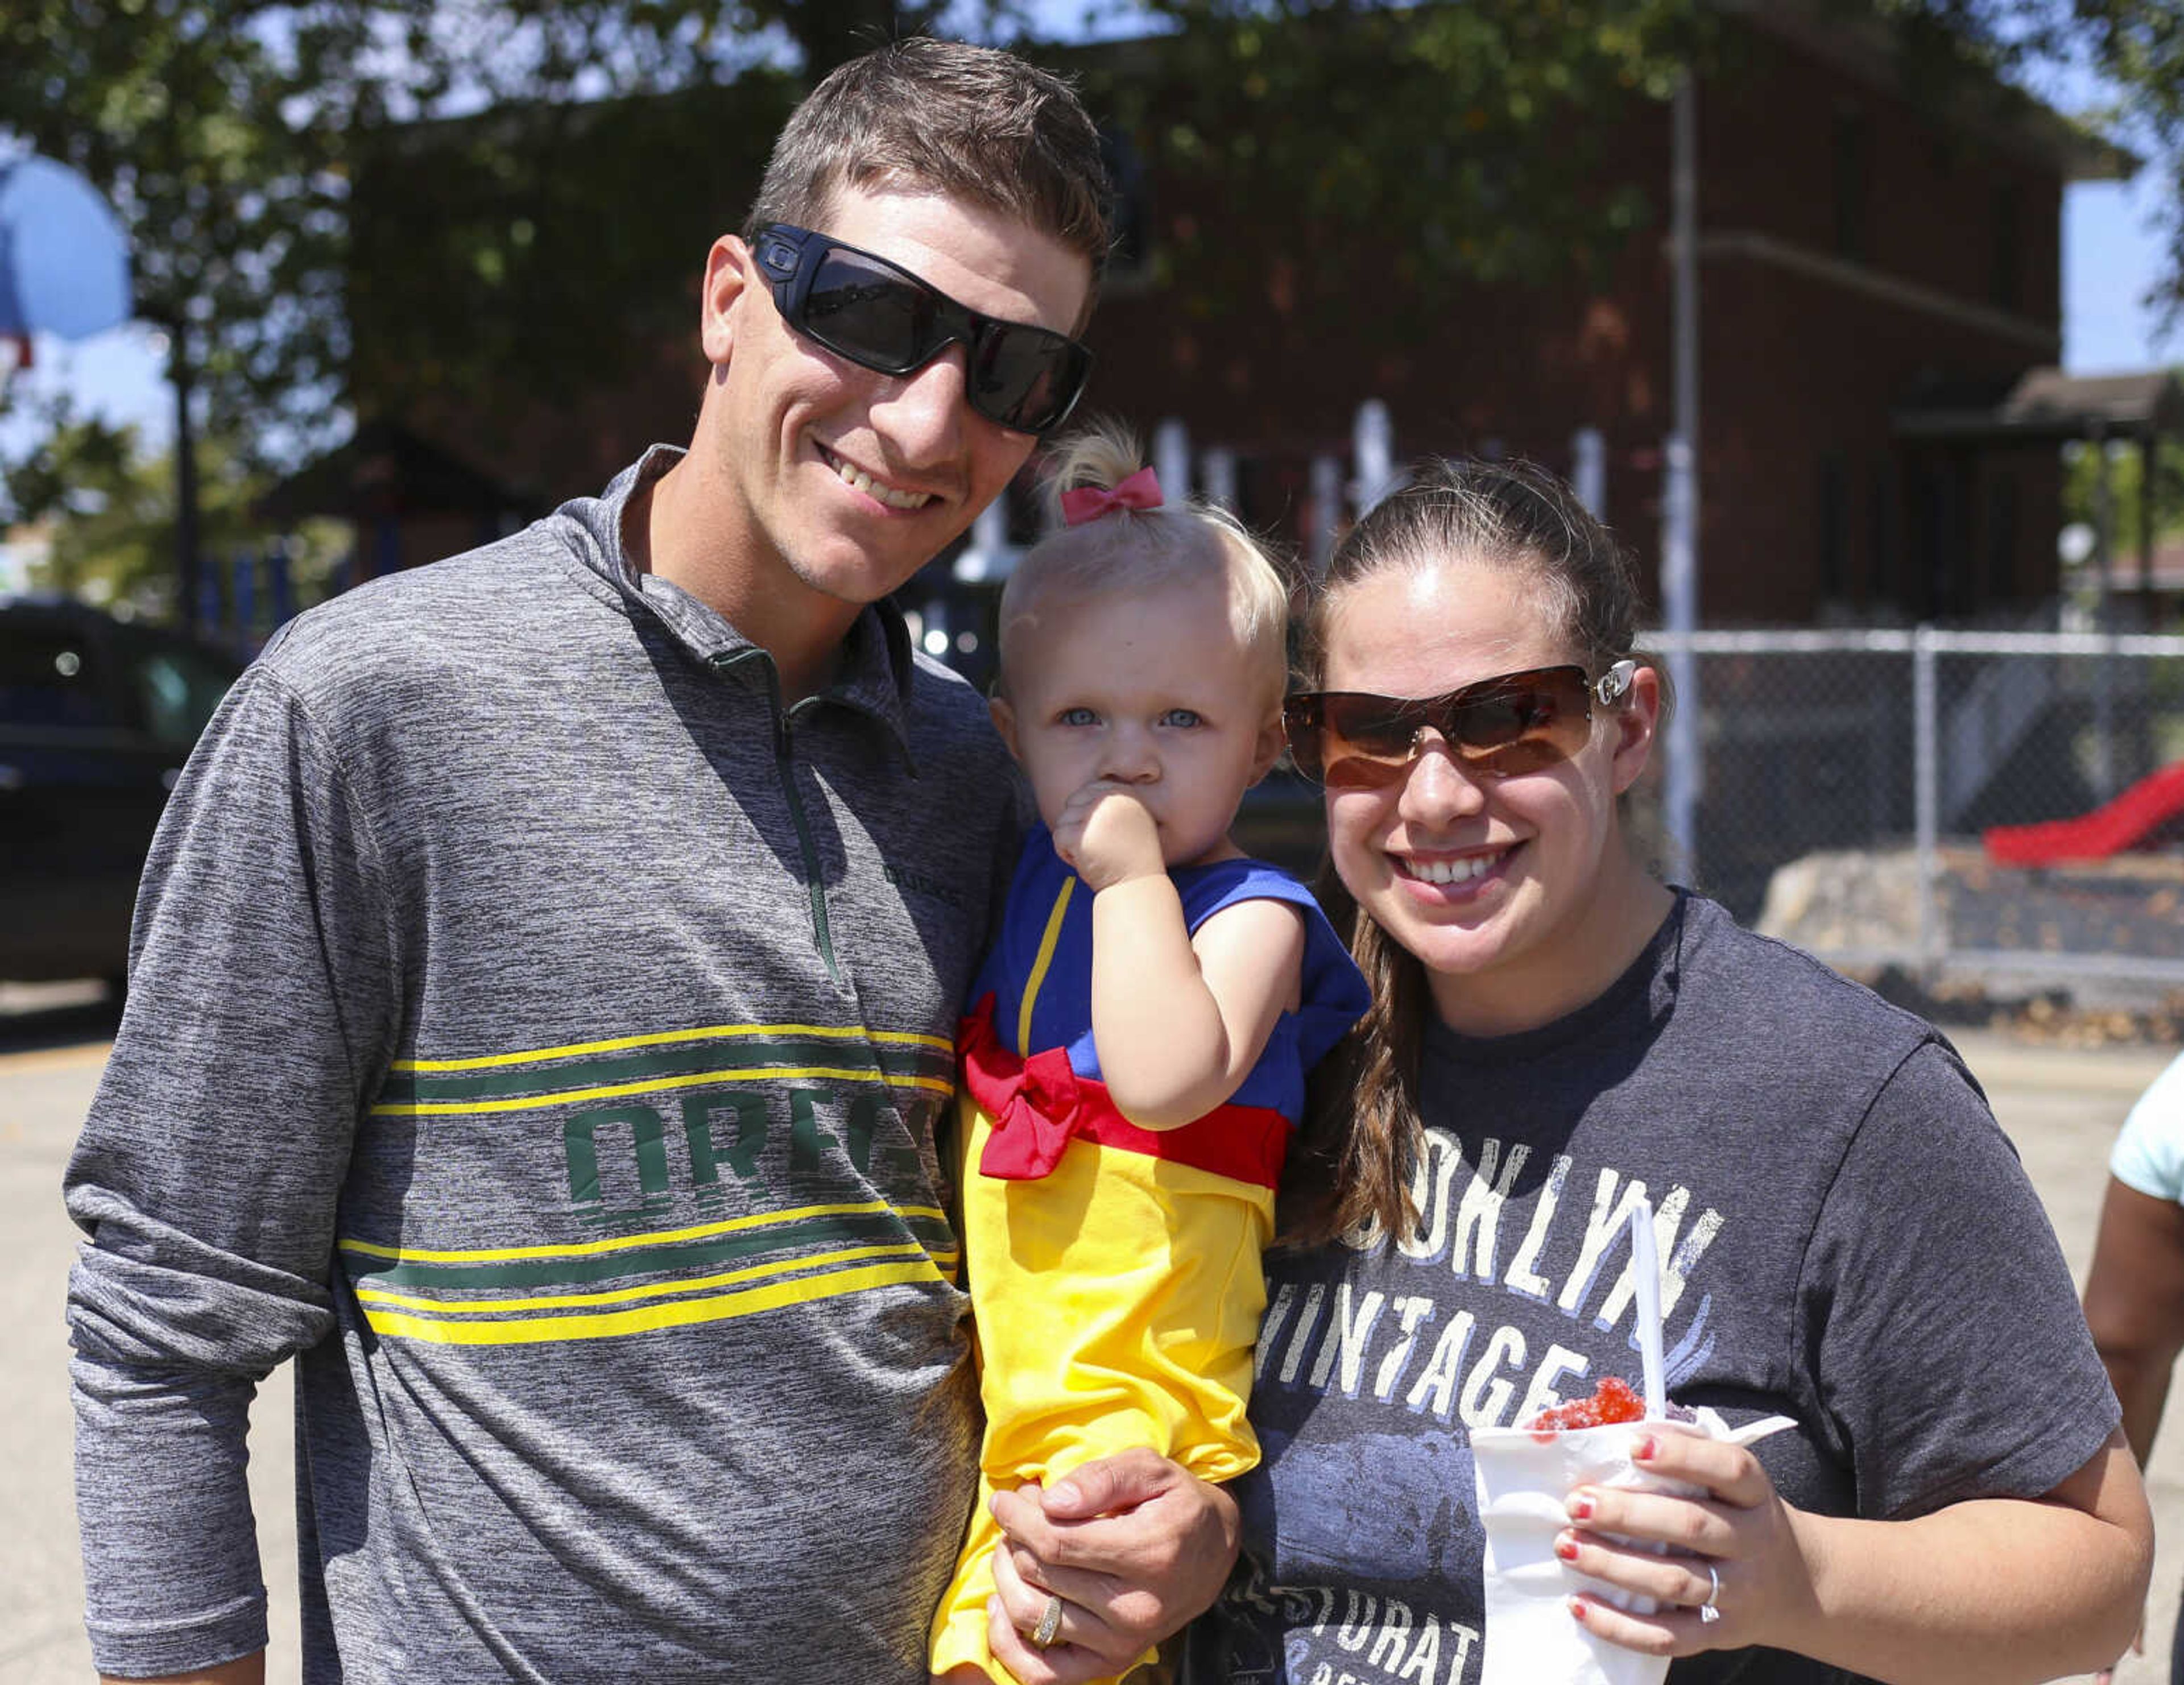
x=1614, y=1401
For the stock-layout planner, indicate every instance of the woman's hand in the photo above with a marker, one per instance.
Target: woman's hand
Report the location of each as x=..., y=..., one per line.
x=1134, y=1544
x=1760, y=1585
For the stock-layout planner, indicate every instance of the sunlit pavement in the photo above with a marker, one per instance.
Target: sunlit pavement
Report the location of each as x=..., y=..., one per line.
x=53, y=1044
x=2062, y=1107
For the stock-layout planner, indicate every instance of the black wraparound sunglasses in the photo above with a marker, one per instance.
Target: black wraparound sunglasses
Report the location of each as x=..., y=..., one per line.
x=883, y=318
x=1510, y=724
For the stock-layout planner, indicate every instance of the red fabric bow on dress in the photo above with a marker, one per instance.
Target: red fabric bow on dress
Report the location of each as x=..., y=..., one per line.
x=1032, y=1102
x=1081, y=503
x=1039, y=1105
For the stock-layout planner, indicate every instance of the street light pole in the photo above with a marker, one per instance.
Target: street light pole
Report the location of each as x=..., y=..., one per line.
x=189, y=564
x=1679, y=538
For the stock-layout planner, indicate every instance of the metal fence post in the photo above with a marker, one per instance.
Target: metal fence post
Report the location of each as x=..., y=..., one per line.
x=1926, y=794
x=1217, y=470
x=1684, y=781
x=1589, y=470
x=1372, y=453
x=1172, y=459
x=243, y=593
x=988, y=555
x=1326, y=512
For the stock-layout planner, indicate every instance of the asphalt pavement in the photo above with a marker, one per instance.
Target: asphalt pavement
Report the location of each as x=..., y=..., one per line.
x=2062, y=1107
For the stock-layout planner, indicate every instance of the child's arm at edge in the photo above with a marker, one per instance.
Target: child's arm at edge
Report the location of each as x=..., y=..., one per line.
x=1180, y=1020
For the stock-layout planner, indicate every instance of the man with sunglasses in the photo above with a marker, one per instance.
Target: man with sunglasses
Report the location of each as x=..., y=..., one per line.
x=542, y=1006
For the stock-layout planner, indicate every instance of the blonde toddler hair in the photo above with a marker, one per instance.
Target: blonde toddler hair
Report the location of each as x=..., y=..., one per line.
x=1125, y=549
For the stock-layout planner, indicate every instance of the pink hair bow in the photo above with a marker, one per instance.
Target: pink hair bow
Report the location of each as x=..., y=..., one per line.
x=1081, y=503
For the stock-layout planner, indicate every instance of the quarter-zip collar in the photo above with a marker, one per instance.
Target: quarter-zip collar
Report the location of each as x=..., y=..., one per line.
x=877, y=661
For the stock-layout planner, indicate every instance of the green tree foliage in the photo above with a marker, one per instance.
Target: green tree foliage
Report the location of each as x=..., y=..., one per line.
x=1470, y=129
x=216, y=130
x=2121, y=61
x=226, y=134
x=1403, y=144
x=107, y=509
x=2127, y=476
x=2137, y=47
x=552, y=241
x=508, y=260
x=1451, y=137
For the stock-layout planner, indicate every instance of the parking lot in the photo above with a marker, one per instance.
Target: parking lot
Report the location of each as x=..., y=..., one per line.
x=2062, y=1107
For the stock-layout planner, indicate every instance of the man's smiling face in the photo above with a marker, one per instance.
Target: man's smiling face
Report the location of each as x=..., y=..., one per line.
x=846, y=481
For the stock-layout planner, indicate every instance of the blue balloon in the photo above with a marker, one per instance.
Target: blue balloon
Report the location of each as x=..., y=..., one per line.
x=63, y=259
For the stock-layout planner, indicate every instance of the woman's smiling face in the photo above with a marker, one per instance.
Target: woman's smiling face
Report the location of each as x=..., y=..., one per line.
x=1503, y=887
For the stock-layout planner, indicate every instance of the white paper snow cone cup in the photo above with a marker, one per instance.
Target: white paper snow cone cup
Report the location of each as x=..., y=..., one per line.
x=1521, y=1479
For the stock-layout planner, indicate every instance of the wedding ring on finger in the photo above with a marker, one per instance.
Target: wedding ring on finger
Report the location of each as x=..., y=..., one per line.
x=1050, y=1623
x=1707, y=1613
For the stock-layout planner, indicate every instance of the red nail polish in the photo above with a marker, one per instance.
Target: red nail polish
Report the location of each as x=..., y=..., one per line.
x=1565, y=1548
x=1579, y=1508
x=1642, y=1451
x=1577, y=1609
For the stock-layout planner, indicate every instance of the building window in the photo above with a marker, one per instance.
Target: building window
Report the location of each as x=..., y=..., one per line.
x=1883, y=586
x=1853, y=172
x=2006, y=282
x=1131, y=213
x=2002, y=537
x=1835, y=534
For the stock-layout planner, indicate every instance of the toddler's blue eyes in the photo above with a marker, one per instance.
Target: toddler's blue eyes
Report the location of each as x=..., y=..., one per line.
x=1183, y=718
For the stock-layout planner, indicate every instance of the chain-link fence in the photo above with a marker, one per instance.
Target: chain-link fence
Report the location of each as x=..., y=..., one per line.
x=1865, y=794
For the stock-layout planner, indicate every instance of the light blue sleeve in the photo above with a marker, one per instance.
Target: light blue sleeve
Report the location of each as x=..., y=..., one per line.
x=2149, y=1153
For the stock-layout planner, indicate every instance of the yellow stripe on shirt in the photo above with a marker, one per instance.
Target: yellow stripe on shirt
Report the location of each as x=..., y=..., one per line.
x=646, y=1319
x=592, y=1248
x=668, y=1037
x=939, y=1085
x=487, y=1307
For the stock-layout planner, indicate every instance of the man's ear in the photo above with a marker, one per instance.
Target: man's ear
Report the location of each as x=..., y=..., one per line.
x=1268, y=750
x=729, y=275
x=1634, y=721
x=1004, y=721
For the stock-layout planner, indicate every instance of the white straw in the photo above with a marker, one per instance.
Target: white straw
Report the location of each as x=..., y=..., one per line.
x=1645, y=1271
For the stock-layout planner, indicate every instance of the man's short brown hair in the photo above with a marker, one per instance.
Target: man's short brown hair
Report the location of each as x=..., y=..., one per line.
x=972, y=123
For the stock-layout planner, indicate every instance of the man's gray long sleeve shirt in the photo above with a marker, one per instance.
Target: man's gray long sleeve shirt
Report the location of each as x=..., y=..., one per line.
x=540, y=1032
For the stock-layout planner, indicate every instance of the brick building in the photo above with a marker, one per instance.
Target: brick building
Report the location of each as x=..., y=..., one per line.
x=1866, y=255
x=1861, y=258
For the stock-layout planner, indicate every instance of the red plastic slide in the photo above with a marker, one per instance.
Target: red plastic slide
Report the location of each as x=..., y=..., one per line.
x=2107, y=830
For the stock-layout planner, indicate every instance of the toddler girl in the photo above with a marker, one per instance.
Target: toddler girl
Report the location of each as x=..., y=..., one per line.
x=1135, y=1051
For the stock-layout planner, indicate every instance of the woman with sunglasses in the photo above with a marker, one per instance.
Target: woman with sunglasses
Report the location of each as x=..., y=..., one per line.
x=1845, y=1236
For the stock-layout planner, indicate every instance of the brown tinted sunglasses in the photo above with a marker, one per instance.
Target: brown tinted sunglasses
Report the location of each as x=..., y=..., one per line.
x=1498, y=727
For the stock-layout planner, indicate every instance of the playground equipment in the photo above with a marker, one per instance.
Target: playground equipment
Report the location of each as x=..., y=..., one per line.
x=63, y=259
x=2108, y=829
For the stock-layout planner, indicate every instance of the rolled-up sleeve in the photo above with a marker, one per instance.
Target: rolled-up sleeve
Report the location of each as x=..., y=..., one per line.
x=261, y=1007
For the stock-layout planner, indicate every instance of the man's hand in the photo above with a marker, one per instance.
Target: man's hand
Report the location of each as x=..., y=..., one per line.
x=1134, y=1544
x=1106, y=836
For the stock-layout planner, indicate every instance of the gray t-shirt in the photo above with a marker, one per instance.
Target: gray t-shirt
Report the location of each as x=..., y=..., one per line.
x=1846, y=1237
